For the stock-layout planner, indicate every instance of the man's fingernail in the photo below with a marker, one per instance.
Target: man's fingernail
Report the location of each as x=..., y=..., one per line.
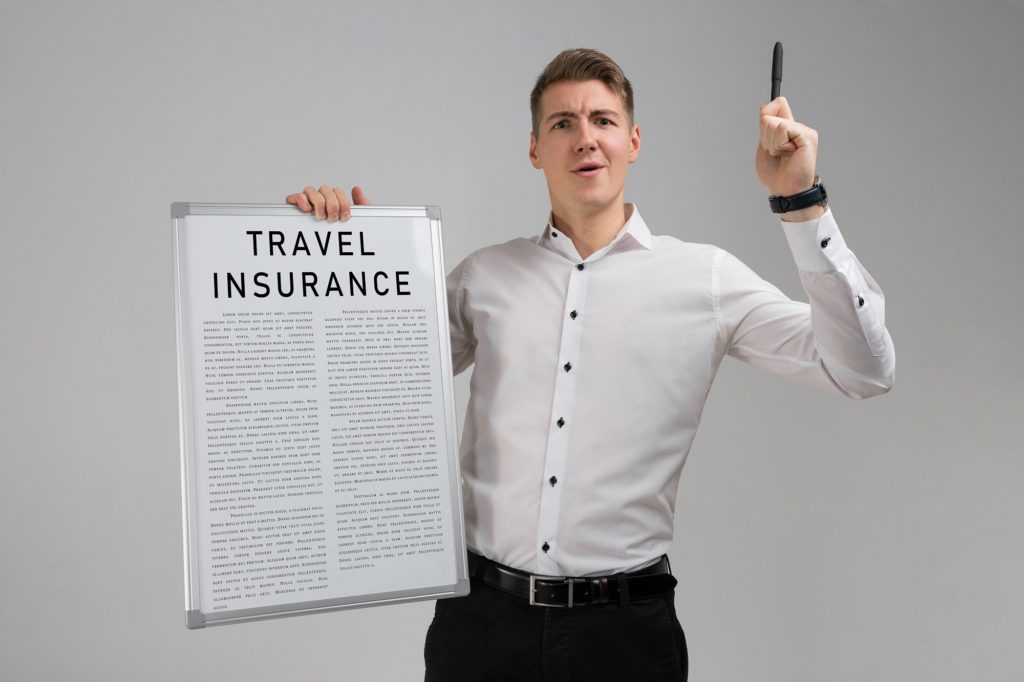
x=346, y=215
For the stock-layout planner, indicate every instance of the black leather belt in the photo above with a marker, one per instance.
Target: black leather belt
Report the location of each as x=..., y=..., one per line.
x=651, y=581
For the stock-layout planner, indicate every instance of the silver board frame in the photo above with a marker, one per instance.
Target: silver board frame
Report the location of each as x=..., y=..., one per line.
x=196, y=615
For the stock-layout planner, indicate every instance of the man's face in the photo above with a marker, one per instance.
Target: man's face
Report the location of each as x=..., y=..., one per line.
x=584, y=144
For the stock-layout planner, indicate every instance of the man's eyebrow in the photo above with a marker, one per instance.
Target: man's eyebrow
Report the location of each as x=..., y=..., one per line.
x=610, y=113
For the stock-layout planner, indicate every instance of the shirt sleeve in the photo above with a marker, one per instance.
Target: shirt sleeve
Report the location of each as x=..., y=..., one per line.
x=460, y=326
x=837, y=341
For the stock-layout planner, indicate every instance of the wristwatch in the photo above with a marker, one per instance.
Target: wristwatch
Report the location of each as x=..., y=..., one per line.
x=794, y=202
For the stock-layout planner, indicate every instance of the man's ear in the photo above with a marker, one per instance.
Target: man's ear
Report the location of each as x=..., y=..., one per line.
x=634, y=143
x=534, y=159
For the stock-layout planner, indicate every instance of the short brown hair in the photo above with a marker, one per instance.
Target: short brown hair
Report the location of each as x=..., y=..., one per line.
x=581, y=64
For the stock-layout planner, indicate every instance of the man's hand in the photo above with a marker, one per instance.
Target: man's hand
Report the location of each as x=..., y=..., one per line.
x=787, y=151
x=328, y=202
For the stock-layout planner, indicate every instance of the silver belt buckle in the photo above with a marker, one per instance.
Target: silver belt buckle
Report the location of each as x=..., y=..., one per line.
x=533, y=591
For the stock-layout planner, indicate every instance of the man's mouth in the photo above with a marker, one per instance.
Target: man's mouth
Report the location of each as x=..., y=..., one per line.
x=588, y=169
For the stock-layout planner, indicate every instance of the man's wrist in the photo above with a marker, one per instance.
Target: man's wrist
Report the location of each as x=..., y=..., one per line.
x=809, y=213
x=803, y=205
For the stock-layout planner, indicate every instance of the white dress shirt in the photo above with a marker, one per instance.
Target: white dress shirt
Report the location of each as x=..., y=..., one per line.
x=591, y=375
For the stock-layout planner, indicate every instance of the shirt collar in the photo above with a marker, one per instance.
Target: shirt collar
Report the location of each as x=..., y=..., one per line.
x=633, y=235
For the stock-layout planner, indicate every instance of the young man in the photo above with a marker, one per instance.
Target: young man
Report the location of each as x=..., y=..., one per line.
x=595, y=344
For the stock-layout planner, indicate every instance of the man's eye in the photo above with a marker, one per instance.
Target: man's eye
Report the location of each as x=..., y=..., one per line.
x=561, y=124
x=604, y=121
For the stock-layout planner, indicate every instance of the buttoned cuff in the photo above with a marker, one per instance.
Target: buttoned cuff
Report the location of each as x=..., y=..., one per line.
x=817, y=245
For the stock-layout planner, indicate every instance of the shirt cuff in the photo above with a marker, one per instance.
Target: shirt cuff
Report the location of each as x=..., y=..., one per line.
x=817, y=245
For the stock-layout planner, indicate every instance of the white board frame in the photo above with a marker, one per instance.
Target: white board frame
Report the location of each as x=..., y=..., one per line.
x=197, y=614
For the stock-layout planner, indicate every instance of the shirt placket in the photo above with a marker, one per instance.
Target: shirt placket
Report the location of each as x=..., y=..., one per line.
x=561, y=423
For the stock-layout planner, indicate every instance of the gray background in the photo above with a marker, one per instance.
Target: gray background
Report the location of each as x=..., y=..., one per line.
x=818, y=538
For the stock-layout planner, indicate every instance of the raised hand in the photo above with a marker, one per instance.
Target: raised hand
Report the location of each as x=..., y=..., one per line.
x=787, y=151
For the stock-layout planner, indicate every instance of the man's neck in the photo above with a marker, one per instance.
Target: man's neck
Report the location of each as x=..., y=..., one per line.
x=590, y=231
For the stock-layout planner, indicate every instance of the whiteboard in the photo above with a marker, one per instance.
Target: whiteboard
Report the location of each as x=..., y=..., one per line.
x=319, y=459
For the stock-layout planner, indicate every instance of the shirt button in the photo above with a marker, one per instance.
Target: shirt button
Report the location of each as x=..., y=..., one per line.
x=580, y=266
x=567, y=366
x=553, y=233
x=545, y=547
x=553, y=480
x=573, y=314
x=560, y=422
x=860, y=301
x=825, y=241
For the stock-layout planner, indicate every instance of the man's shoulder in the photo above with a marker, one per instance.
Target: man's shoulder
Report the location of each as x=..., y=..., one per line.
x=520, y=247
x=676, y=247
x=518, y=251
x=516, y=245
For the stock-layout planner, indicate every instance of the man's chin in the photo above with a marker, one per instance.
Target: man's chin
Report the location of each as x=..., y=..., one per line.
x=590, y=200
x=594, y=200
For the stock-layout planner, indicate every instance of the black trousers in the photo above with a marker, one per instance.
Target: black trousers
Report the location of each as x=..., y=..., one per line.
x=494, y=636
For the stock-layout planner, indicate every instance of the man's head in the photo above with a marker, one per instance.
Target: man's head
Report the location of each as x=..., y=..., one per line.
x=581, y=64
x=583, y=136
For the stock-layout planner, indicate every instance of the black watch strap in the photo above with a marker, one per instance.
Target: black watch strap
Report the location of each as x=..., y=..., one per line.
x=795, y=202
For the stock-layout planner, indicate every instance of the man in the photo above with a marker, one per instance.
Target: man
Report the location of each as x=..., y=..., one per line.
x=595, y=345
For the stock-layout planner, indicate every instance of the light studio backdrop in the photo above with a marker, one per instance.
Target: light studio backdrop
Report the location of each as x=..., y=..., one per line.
x=817, y=537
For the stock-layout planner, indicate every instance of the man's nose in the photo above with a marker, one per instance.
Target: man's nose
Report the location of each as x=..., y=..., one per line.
x=586, y=141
